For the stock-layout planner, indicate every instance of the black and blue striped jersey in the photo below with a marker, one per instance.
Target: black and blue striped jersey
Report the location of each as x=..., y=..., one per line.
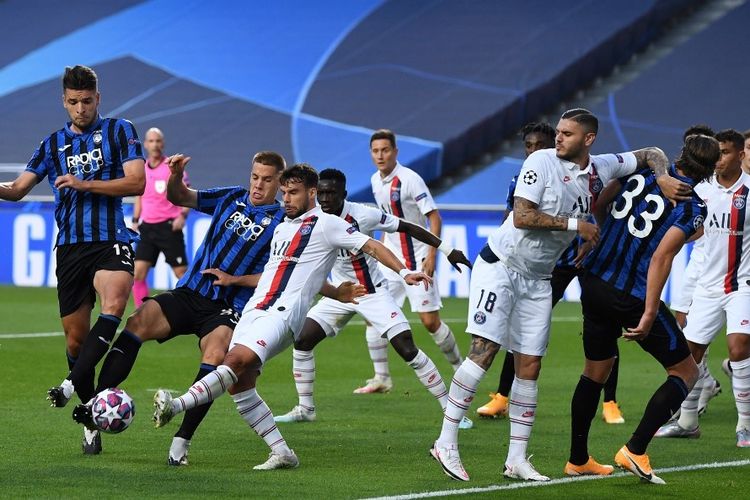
x=238, y=241
x=98, y=153
x=638, y=220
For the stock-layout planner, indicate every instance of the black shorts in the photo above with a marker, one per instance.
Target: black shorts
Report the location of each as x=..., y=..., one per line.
x=190, y=313
x=607, y=310
x=76, y=265
x=561, y=278
x=159, y=238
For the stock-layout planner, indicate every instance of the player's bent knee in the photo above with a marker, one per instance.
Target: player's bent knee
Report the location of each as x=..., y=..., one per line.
x=687, y=370
x=738, y=346
x=431, y=321
x=403, y=344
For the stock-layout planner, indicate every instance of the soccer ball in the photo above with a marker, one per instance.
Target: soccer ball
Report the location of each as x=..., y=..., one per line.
x=113, y=410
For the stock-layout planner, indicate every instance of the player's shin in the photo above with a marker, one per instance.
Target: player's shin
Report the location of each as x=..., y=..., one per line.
x=521, y=413
x=582, y=411
x=94, y=348
x=206, y=389
x=662, y=405
x=258, y=416
x=303, y=369
x=741, y=388
x=460, y=395
x=428, y=375
x=446, y=341
x=195, y=416
x=119, y=360
x=377, y=346
x=689, y=408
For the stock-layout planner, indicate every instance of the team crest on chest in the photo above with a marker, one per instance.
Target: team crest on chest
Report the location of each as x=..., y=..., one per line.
x=596, y=185
x=98, y=137
x=395, y=195
x=305, y=229
x=739, y=202
x=160, y=186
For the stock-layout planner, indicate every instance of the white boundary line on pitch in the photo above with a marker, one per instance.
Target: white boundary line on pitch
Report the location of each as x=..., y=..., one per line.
x=519, y=485
x=356, y=322
x=30, y=335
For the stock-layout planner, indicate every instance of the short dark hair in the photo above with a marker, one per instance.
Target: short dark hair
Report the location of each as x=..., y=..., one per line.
x=79, y=78
x=584, y=117
x=733, y=136
x=300, y=172
x=698, y=129
x=331, y=174
x=383, y=133
x=543, y=128
x=746, y=134
x=270, y=158
x=698, y=157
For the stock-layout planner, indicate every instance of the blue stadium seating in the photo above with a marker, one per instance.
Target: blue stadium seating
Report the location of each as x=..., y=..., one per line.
x=312, y=80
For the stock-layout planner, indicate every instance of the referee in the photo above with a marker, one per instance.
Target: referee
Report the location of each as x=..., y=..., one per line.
x=159, y=221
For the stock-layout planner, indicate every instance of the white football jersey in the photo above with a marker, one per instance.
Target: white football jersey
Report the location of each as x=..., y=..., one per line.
x=726, y=232
x=559, y=188
x=362, y=268
x=405, y=195
x=303, y=251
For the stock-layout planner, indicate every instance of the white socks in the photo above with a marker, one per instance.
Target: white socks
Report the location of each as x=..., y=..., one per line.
x=689, y=408
x=445, y=340
x=428, y=374
x=741, y=388
x=206, y=389
x=378, y=348
x=303, y=369
x=521, y=413
x=460, y=395
x=257, y=414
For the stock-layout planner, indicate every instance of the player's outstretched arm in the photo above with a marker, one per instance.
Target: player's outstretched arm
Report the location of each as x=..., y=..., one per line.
x=132, y=184
x=526, y=215
x=378, y=251
x=225, y=279
x=455, y=256
x=347, y=291
x=656, y=160
x=658, y=272
x=19, y=188
x=178, y=193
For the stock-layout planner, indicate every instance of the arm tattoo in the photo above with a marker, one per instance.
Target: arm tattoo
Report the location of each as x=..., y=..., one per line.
x=653, y=158
x=526, y=215
x=483, y=351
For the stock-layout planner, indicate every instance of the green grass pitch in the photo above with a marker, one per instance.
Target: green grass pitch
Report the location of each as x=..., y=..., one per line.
x=361, y=445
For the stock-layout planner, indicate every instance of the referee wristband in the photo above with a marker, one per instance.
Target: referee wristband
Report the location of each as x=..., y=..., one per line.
x=444, y=248
x=572, y=224
x=404, y=272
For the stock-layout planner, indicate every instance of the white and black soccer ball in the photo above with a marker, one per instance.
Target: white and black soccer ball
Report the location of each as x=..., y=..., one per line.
x=113, y=410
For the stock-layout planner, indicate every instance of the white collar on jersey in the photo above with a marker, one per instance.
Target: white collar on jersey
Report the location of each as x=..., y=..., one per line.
x=313, y=211
x=743, y=178
x=574, y=166
x=390, y=176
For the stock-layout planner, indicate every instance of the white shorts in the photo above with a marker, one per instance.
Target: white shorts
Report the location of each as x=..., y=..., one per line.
x=509, y=309
x=379, y=309
x=420, y=300
x=709, y=314
x=262, y=332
